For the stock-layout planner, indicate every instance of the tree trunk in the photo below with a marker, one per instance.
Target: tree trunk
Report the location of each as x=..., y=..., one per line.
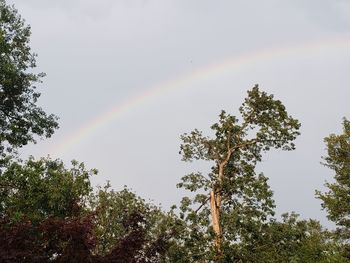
x=215, y=205
x=215, y=200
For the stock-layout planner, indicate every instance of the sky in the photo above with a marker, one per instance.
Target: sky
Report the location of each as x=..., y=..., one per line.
x=128, y=77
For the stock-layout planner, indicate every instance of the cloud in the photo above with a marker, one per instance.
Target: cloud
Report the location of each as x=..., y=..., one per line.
x=90, y=8
x=329, y=14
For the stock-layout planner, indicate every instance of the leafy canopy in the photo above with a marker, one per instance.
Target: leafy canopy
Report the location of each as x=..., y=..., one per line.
x=20, y=117
x=243, y=198
x=336, y=201
x=40, y=189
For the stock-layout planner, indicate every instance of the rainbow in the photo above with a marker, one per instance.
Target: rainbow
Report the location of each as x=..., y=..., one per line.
x=185, y=80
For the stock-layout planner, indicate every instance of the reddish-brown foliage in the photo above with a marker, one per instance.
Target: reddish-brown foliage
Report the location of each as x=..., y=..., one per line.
x=71, y=240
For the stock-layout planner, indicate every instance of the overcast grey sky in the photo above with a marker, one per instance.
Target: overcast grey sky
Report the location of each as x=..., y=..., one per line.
x=100, y=53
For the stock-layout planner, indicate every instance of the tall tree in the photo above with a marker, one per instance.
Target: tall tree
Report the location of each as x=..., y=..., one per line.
x=234, y=189
x=20, y=117
x=336, y=200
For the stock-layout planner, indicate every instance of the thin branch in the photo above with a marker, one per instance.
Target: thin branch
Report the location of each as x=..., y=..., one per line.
x=243, y=145
x=203, y=204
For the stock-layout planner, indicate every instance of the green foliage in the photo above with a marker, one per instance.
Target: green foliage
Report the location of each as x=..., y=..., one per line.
x=48, y=210
x=336, y=200
x=20, y=117
x=38, y=189
x=246, y=200
x=294, y=240
x=112, y=208
x=265, y=124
